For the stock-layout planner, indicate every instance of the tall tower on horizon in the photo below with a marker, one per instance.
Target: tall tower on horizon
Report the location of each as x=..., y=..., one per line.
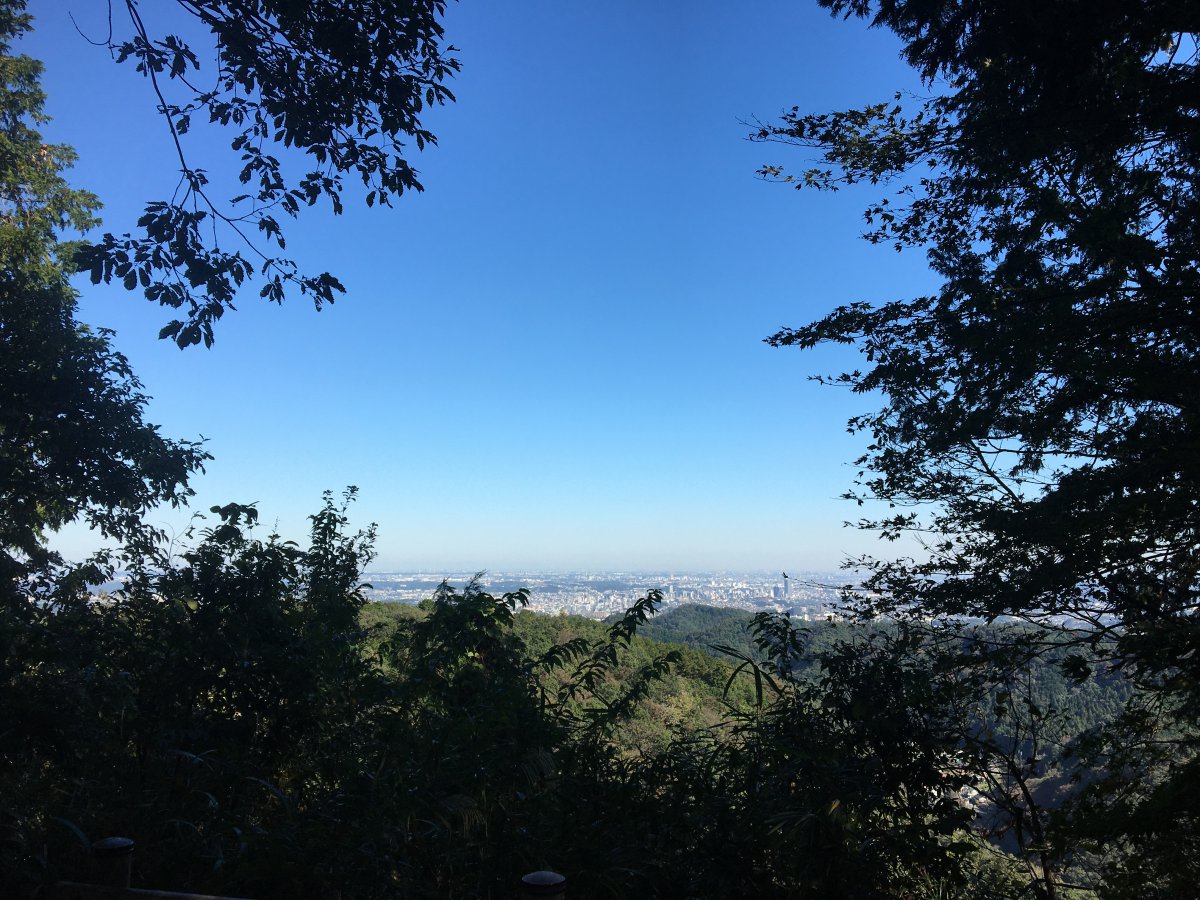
x=785, y=586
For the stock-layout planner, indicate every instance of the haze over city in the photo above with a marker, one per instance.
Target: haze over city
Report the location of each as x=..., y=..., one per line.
x=596, y=595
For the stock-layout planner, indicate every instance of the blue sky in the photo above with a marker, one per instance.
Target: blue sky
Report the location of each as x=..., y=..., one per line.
x=553, y=358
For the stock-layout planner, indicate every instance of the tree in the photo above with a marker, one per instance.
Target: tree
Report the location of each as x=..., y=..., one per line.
x=216, y=707
x=342, y=81
x=1040, y=420
x=73, y=441
x=73, y=444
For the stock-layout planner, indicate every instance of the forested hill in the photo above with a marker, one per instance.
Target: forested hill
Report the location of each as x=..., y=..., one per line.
x=701, y=627
x=1075, y=705
x=692, y=694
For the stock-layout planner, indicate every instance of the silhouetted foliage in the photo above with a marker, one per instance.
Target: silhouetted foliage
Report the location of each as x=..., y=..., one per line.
x=73, y=442
x=344, y=83
x=1039, y=417
x=237, y=708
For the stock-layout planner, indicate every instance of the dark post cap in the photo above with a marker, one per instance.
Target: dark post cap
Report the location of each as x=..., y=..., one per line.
x=110, y=847
x=543, y=883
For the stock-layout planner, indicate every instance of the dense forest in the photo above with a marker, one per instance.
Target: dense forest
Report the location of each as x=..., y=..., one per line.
x=262, y=731
x=1013, y=712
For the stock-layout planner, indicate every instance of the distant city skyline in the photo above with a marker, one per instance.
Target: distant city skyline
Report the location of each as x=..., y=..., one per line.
x=553, y=357
x=600, y=594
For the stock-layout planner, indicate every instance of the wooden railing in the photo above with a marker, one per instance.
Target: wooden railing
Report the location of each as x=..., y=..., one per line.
x=112, y=866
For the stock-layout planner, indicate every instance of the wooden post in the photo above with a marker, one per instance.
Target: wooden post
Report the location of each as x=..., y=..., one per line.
x=112, y=861
x=544, y=884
